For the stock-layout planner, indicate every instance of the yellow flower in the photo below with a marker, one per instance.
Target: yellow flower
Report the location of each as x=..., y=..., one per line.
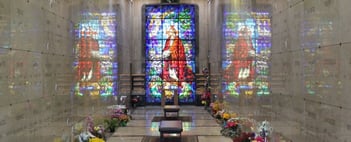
x=234, y=115
x=226, y=115
x=216, y=106
x=96, y=140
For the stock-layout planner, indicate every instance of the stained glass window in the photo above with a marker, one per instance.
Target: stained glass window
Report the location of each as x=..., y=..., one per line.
x=96, y=52
x=246, y=51
x=170, y=41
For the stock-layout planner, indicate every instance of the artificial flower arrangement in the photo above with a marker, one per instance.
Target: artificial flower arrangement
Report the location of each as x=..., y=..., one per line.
x=115, y=113
x=112, y=124
x=92, y=133
x=245, y=137
x=265, y=129
x=219, y=115
x=233, y=115
x=206, y=98
x=248, y=137
x=215, y=107
x=122, y=118
x=232, y=129
x=96, y=140
x=226, y=116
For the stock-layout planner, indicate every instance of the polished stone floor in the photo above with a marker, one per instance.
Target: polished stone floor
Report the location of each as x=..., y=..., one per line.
x=202, y=125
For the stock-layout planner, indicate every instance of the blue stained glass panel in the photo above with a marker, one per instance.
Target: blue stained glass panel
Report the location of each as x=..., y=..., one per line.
x=170, y=41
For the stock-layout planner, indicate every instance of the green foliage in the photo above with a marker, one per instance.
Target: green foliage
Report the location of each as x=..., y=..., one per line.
x=112, y=123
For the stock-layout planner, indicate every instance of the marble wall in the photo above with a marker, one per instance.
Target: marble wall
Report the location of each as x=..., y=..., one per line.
x=310, y=66
x=36, y=62
x=36, y=69
x=309, y=72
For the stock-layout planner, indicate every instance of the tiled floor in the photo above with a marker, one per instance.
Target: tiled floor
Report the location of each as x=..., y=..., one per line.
x=202, y=125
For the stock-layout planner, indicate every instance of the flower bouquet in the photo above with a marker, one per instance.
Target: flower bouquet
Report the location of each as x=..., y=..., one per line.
x=245, y=137
x=232, y=129
x=123, y=119
x=265, y=129
x=112, y=124
x=96, y=140
x=215, y=107
x=226, y=116
x=116, y=113
x=206, y=98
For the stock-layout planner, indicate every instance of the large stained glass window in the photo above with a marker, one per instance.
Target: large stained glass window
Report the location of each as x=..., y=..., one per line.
x=96, y=52
x=246, y=50
x=170, y=41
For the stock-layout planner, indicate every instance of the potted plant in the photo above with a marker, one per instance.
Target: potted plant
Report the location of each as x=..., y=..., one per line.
x=112, y=124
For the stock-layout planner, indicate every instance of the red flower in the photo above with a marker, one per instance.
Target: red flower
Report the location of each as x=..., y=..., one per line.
x=231, y=125
x=259, y=139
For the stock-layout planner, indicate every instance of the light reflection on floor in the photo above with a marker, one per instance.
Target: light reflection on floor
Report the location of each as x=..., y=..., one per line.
x=202, y=125
x=187, y=126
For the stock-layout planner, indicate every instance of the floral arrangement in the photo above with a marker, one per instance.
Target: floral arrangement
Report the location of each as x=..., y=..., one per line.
x=231, y=129
x=206, y=95
x=99, y=131
x=90, y=123
x=248, y=137
x=219, y=114
x=112, y=124
x=123, y=119
x=244, y=137
x=226, y=116
x=258, y=139
x=233, y=115
x=91, y=132
x=85, y=136
x=216, y=106
x=265, y=129
x=240, y=129
x=206, y=98
x=116, y=113
x=96, y=140
x=120, y=116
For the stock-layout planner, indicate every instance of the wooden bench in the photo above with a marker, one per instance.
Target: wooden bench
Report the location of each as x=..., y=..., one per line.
x=171, y=109
x=170, y=127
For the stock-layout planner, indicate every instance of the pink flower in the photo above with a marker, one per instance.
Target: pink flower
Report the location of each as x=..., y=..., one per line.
x=259, y=139
x=231, y=125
